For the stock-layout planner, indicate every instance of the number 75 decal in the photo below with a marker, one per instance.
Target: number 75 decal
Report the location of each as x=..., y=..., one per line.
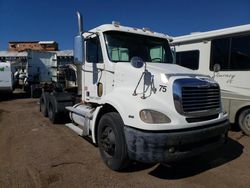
x=163, y=88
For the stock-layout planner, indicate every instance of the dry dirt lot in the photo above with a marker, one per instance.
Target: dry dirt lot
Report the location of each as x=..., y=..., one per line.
x=36, y=153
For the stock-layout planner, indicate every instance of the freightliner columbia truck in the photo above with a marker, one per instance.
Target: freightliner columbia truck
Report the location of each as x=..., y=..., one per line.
x=135, y=103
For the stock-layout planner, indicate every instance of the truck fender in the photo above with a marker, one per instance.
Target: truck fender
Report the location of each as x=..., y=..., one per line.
x=111, y=102
x=126, y=105
x=60, y=100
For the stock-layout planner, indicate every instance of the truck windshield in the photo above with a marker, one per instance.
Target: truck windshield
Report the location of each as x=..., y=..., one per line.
x=122, y=46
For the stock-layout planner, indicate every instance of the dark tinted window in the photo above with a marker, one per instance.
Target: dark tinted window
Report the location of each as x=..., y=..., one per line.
x=232, y=53
x=220, y=53
x=240, y=53
x=93, y=51
x=188, y=59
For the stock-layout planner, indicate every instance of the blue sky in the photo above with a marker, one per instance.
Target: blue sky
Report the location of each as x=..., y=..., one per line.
x=29, y=20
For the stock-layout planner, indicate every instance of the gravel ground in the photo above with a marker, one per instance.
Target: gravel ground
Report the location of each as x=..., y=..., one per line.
x=36, y=153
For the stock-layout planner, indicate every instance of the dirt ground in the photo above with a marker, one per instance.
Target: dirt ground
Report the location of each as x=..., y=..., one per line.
x=36, y=153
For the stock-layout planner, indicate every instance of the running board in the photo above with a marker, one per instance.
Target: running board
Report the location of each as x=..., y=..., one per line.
x=75, y=128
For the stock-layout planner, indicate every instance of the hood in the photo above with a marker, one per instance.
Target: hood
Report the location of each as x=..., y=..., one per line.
x=156, y=68
x=126, y=74
x=168, y=68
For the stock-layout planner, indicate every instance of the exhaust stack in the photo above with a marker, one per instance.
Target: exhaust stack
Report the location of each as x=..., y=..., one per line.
x=79, y=57
x=80, y=24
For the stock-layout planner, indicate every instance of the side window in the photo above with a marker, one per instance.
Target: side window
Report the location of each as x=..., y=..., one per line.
x=93, y=51
x=188, y=59
x=231, y=53
x=157, y=54
x=240, y=53
x=118, y=53
x=220, y=53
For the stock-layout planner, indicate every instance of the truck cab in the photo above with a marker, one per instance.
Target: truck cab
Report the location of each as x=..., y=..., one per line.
x=136, y=104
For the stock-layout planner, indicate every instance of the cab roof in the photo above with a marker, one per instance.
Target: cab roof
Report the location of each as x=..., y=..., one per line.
x=117, y=27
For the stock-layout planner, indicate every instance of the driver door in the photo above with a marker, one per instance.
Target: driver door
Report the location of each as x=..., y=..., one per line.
x=93, y=70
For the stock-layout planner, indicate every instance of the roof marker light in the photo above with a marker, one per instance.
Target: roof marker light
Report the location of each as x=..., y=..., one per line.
x=116, y=24
x=145, y=29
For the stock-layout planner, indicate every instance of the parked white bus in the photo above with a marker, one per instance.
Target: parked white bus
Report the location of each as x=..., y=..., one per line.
x=230, y=49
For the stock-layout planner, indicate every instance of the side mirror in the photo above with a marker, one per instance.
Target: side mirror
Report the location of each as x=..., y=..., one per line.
x=137, y=62
x=79, y=50
x=216, y=67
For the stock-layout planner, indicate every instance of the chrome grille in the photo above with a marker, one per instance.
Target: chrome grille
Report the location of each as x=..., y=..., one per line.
x=196, y=97
x=200, y=99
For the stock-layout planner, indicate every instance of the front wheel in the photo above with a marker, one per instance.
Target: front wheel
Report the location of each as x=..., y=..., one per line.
x=244, y=121
x=111, y=141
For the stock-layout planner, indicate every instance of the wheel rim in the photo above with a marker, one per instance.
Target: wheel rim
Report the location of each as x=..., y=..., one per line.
x=107, y=141
x=246, y=121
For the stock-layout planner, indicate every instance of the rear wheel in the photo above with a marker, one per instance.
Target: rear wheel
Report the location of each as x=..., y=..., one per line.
x=244, y=121
x=53, y=116
x=111, y=141
x=43, y=107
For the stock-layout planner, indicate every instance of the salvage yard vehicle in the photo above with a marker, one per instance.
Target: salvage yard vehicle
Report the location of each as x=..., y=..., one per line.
x=41, y=69
x=135, y=103
x=6, y=77
x=31, y=75
x=228, y=49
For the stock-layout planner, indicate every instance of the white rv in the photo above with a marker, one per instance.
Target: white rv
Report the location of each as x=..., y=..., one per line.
x=6, y=77
x=228, y=49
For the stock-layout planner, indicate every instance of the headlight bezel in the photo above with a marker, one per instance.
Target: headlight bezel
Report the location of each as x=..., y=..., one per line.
x=150, y=116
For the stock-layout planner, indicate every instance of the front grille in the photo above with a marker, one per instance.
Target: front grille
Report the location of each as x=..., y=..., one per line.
x=200, y=98
x=196, y=97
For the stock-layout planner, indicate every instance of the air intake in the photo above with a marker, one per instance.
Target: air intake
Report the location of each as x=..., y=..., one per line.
x=194, y=97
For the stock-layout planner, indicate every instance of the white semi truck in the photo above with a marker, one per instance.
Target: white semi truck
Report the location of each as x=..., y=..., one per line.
x=135, y=104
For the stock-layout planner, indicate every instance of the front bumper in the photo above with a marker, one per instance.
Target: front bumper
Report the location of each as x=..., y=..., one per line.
x=167, y=146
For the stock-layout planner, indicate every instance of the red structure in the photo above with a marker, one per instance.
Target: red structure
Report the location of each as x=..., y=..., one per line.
x=33, y=45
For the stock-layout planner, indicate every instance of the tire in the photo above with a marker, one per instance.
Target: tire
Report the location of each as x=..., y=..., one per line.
x=244, y=121
x=111, y=141
x=43, y=107
x=31, y=91
x=53, y=116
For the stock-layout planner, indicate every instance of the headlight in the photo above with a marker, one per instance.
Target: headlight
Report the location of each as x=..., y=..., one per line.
x=153, y=117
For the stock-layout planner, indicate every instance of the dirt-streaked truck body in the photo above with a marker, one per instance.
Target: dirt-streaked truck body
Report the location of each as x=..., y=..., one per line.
x=135, y=103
